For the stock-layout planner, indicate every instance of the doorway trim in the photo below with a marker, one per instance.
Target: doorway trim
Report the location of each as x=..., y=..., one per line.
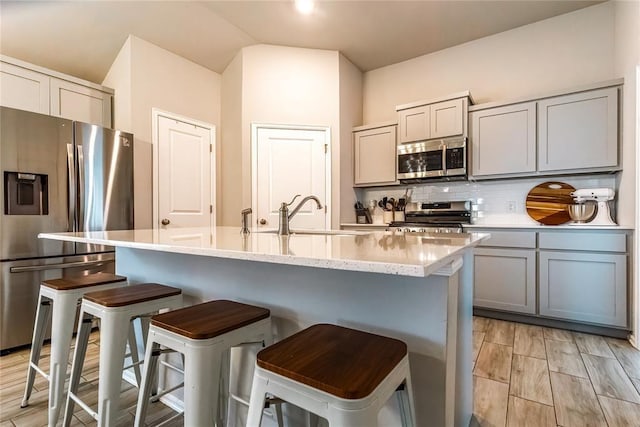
x=156, y=113
x=254, y=164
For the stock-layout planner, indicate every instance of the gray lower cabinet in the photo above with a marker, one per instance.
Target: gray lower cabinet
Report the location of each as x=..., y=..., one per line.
x=586, y=287
x=573, y=275
x=505, y=279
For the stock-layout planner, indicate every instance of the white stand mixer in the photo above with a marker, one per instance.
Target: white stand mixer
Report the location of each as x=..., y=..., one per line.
x=601, y=196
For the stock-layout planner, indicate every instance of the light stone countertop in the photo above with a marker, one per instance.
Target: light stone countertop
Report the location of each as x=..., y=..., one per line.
x=375, y=252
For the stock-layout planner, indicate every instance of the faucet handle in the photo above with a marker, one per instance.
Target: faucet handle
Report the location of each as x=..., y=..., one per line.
x=292, y=200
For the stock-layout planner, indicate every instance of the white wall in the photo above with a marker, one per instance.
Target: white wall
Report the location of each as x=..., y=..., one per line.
x=160, y=79
x=350, y=116
x=230, y=177
x=282, y=85
x=556, y=53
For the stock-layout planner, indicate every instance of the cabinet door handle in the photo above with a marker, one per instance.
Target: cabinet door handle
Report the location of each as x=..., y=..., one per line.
x=165, y=221
x=263, y=221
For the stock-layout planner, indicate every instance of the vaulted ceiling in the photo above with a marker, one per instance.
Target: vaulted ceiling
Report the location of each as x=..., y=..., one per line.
x=82, y=38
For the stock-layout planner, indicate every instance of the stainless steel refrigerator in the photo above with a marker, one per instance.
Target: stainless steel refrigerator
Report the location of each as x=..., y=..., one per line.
x=58, y=176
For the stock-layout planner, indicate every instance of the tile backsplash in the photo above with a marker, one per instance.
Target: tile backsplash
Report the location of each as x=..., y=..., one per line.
x=501, y=201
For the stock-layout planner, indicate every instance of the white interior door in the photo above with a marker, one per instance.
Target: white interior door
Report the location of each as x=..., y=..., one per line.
x=185, y=186
x=290, y=161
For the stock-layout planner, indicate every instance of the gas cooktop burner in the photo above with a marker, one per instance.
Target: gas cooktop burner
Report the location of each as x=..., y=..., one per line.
x=411, y=227
x=436, y=217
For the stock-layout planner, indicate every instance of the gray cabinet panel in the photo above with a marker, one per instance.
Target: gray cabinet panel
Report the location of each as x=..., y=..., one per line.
x=584, y=287
x=578, y=131
x=413, y=124
x=510, y=239
x=584, y=241
x=503, y=140
x=375, y=156
x=505, y=279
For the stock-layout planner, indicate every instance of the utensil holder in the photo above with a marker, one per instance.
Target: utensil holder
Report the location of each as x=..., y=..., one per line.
x=363, y=216
x=387, y=217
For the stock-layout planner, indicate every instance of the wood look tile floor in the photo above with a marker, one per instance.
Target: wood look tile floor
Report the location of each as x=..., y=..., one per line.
x=13, y=370
x=523, y=376
x=530, y=376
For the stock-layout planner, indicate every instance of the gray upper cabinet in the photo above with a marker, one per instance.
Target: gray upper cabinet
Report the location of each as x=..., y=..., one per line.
x=32, y=88
x=503, y=140
x=76, y=102
x=375, y=156
x=24, y=89
x=572, y=133
x=578, y=131
x=414, y=124
x=436, y=120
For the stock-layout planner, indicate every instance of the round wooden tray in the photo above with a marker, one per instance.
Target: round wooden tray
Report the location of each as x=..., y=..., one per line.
x=547, y=202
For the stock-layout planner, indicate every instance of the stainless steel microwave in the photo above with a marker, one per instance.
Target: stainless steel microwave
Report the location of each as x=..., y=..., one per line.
x=443, y=158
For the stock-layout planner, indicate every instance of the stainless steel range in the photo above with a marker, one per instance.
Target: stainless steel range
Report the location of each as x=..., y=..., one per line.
x=435, y=217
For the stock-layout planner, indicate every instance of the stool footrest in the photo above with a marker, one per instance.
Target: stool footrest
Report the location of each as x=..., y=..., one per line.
x=172, y=367
x=83, y=405
x=168, y=420
x=163, y=392
x=39, y=370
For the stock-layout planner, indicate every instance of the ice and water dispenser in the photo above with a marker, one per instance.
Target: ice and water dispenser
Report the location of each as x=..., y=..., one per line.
x=26, y=193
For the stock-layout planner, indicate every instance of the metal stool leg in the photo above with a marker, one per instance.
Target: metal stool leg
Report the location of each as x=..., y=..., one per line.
x=43, y=314
x=201, y=374
x=133, y=352
x=112, y=350
x=63, y=314
x=82, y=339
x=152, y=353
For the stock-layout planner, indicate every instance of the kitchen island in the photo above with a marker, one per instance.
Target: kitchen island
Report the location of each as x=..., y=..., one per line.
x=414, y=287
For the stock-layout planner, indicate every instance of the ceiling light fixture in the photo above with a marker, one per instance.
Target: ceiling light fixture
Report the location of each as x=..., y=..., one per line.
x=305, y=7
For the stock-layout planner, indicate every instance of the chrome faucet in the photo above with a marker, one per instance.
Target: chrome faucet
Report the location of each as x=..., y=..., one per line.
x=245, y=221
x=285, y=216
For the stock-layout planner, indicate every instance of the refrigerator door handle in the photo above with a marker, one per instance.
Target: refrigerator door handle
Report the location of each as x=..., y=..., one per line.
x=43, y=267
x=80, y=226
x=71, y=186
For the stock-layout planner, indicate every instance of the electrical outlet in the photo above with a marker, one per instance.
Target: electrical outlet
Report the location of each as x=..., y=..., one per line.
x=511, y=206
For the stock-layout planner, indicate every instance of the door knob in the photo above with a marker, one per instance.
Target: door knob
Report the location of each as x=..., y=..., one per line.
x=165, y=221
x=263, y=221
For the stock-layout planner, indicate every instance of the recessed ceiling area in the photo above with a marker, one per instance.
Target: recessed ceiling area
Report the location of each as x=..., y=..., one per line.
x=83, y=38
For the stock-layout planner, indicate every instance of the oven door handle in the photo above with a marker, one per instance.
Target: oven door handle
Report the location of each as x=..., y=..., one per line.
x=63, y=265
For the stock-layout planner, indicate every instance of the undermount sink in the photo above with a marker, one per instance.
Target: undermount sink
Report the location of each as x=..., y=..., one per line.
x=319, y=232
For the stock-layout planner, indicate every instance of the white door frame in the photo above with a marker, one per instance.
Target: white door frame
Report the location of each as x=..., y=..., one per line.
x=156, y=113
x=254, y=165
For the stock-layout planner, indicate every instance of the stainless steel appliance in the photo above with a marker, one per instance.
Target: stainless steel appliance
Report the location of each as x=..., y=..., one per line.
x=435, y=217
x=601, y=196
x=58, y=176
x=430, y=160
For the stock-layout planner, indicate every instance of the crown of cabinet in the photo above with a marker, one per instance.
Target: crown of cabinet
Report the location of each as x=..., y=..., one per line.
x=433, y=119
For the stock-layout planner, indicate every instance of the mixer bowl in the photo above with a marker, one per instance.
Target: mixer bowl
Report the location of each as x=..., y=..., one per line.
x=582, y=212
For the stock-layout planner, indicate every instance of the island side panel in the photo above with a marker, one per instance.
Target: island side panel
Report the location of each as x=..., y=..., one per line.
x=464, y=347
x=408, y=308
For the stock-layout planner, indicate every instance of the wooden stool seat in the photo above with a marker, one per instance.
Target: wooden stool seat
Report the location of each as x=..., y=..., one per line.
x=69, y=283
x=204, y=335
x=344, y=362
x=210, y=319
x=130, y=295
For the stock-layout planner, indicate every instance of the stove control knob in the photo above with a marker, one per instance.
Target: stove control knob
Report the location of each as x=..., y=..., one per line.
x=422, y=230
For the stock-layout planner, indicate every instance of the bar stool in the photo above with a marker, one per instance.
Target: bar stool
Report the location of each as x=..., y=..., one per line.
x=58, y=300
x=202, y=333
x=115, y=308
x=340, y=374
